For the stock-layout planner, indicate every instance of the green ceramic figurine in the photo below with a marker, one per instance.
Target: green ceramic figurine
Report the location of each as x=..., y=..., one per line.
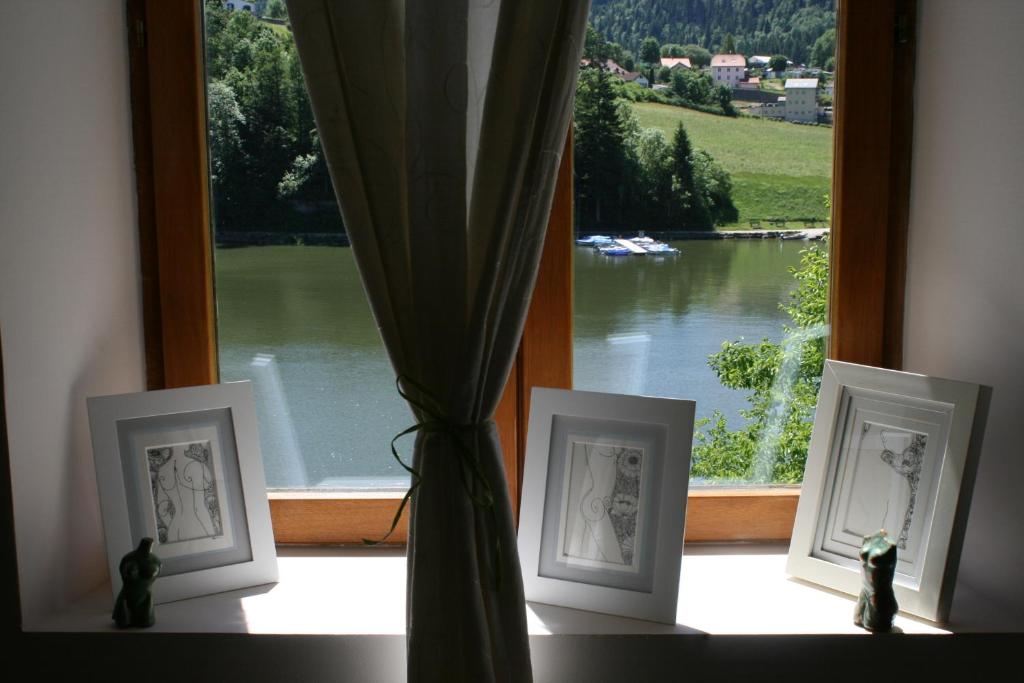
x=876, y=605
x=134, y=606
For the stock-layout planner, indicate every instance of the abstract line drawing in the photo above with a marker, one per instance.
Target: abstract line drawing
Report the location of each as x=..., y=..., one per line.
x=185, y=495
x=601, y=522
x=907, y=463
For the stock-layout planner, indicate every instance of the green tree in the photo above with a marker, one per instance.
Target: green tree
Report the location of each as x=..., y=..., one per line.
x=693, y=86
x=722, y=96
x=729, y=45
x=778, y=63
x=650, y=51
x=789, y=27
x=824, y=49
x=263, y=150
x=715, y=185
x=594, y=47
x=654, y=162
x=599, y=150
x=784, y=379
x=664, y=74
x=614, y=52
x=227, y=159
x=276, y=9
x=698, y=56
x=308, y=177
x=689, y=199
x=628, y=61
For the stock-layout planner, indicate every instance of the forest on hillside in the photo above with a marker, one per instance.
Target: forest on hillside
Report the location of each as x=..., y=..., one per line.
x=764, y=27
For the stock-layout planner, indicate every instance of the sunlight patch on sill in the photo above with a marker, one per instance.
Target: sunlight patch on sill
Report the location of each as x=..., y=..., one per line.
x=739, y=589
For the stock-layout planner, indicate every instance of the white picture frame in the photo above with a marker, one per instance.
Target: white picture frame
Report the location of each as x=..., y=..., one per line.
x=183, y=467
x=893, y=450
x=604, y=502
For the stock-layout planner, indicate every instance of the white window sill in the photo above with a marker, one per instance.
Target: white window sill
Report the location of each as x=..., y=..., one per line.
x=727, y=590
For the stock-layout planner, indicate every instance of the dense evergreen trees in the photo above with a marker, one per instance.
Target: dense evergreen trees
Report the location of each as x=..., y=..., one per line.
x=628, y=179
x=789, y=27
x=599, y=150
x=264, y=153
x=268, y=173
x=823, y=53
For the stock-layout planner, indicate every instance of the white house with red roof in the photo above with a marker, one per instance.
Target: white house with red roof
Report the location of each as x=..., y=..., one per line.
x=728, y=70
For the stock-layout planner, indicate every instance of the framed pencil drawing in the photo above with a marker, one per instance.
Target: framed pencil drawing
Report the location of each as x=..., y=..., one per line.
x=604, y=501
x=183, y=467
x=895, y=451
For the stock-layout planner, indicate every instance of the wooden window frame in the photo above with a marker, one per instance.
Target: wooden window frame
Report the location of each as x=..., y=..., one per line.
x=871, y=181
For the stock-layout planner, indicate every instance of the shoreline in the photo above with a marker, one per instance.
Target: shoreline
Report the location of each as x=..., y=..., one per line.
x=681, y=235
x=227, y=240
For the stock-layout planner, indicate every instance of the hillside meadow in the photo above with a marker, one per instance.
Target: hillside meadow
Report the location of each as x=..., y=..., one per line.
x=778, y=169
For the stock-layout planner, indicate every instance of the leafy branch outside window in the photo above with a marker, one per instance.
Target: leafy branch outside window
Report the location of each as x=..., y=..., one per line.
x=785, y=377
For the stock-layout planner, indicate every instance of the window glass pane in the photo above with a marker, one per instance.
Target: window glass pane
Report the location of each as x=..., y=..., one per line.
x=291, y=313
x=729, y=182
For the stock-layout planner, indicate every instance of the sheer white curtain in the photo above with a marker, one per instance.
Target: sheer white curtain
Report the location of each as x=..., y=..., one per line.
x=443, y=123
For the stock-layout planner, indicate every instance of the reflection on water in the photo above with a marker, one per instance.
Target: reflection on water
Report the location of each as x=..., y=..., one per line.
x=646, y=325
x=295, y=321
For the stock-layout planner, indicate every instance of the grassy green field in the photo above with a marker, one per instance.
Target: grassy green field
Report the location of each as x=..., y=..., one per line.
x=778, y=169
x=278, y=28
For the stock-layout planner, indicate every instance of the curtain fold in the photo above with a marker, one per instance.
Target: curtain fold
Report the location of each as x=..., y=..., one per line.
x=443, y=123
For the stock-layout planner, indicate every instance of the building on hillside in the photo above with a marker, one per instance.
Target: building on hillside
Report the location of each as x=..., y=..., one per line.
x=758, y=61
x=636, y=77
x=255, y=7
x=802, y=100
x=611, y=66
x=749, y=84
x=728, y=70
x=676, y=62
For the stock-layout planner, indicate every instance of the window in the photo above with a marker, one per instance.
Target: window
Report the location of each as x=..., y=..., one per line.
x=867, y=253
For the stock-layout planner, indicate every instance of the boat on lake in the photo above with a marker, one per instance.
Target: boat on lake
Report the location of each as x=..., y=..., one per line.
x=614, y=250
x=595, y=240
x=618, y=246
x=660, y=248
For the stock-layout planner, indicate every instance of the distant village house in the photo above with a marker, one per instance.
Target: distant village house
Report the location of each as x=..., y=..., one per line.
x=728, y=70
x=636, y=77
x=802, y=100
x=676, y=62
x=255, y=7
x=612, y=67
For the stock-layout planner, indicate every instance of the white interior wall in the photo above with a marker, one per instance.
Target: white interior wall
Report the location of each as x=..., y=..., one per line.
x=965, y=276
x=70, y=311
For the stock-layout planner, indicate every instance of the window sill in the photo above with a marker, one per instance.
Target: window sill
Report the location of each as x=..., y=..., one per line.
x=725, y=590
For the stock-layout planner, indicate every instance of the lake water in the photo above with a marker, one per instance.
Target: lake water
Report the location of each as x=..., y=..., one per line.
x=294, y=321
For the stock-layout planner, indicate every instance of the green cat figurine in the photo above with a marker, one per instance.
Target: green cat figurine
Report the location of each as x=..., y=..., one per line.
x=876, y=605
x=134, y=606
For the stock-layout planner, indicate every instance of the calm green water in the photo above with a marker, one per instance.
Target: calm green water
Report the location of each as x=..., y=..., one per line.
x=294, y=320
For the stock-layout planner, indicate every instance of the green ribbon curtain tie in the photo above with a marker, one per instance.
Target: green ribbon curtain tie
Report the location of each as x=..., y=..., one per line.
x=474, y=481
